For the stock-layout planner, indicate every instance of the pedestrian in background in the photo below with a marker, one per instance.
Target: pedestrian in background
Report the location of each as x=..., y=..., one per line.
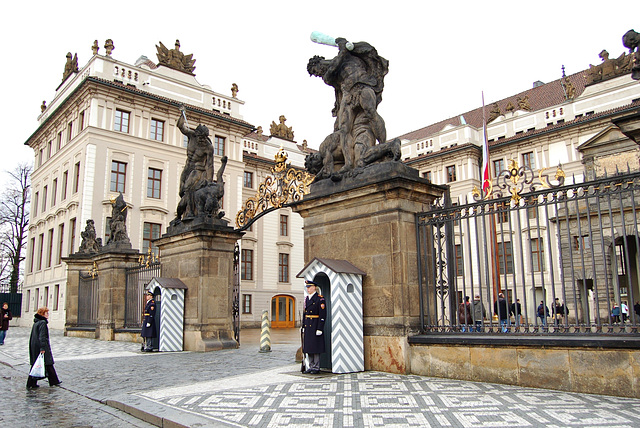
x=625, y=311
x=39, y=344
x=543, y=312
x=465, y=318
x=501, y=308
x=479, y=312
x=516, y=310
x=5, y=317
x=148, y=331
x=315, y=313
x=636, y=309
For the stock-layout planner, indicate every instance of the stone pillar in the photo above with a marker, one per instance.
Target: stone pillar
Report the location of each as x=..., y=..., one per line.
x=369, y=221
x=75, y=264
x=203, y=259
x=112, y=280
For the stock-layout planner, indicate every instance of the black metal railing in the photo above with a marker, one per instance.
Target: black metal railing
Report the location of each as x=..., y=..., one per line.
x=564, y=258
x=137, y=278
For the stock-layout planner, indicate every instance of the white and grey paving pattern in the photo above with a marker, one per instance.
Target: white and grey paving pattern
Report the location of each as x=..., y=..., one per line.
x=245, y=388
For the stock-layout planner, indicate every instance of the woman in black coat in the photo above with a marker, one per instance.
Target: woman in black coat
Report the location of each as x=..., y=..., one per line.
x=39, y=344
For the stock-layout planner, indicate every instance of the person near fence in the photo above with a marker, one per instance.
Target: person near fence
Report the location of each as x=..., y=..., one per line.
x=624, y=309
x=5, y=317
x=315, y=313
x=465, y=318
x=558, y=312
x=501, y=308
x=479, y=312
x=39, y=344
x=516, y=310
x=543, y=312
x=148, y=323
x=636, y=309
x=615, y=314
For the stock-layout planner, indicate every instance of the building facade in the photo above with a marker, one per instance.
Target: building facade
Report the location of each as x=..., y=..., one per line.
x=110, y=129
x=566, y=123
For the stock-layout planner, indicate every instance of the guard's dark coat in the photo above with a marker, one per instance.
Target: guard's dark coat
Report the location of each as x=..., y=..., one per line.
x=316, y=308
x=149, y=317
x=39, y=341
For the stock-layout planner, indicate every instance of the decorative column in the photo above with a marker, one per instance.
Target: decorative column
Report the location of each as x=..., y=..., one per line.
x=370, y=222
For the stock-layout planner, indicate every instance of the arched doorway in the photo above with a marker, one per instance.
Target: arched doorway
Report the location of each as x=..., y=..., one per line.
x=283, y=311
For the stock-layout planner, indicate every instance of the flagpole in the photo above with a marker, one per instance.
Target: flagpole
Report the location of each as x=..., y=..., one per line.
x=486, y=185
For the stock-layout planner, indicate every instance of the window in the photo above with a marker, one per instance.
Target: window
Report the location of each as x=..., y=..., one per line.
x=459, y=261
x=32, y=254
x=505, y=257
x=283, y=267
x=50, y=247
x=49, y=150
x=65, y=178
x=246, y=303
x=40, y=156
x=72, y=236
x=451, y=173
x=59, y=140
x=284, y=225
x=582, y=243
x=532, y=209
x=69, y=131
x=528, y=160
x=248, y=179
x=35, y=203
x=44, y=198
x=122, y=121
x=157, y=129
x=56, y=296
x=45, y=296
x=76, y=174
x=218, y=146
x=118, y=176
x=107, y=230
x=28, y=300
x=498, y=165
x=503, y=212
x=537, y=254
x=40, y=248
x=151, y=231
x=81, y=121
x=246, y=265
x=427, y=176
x=60, y=243
x=154, y=182
x=54, y=192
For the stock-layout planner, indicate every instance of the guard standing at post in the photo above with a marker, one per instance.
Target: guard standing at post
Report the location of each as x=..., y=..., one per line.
x=148, y=323
x=315, y=312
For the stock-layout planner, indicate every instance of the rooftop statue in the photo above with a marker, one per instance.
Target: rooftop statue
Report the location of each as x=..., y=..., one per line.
x=359, y=137
x=200, y=196
x=281, y=130
x=175, y=59
x=71, y=66
x=631, y=41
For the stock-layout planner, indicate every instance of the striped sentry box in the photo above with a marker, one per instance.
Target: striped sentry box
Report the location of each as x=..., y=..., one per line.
x=171, y=312
x=345, y=283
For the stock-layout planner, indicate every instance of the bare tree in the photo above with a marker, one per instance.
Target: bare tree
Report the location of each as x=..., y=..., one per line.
x=14, y=221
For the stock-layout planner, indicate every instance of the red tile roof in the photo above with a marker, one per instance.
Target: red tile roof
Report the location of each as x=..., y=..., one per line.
x=540, y=98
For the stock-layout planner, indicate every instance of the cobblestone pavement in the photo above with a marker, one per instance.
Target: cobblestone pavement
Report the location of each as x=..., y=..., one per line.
x=102, y=381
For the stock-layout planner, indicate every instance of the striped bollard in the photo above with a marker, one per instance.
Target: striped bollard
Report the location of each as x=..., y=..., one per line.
x=265, y=334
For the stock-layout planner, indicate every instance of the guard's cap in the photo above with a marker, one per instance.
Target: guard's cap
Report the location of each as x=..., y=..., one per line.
x=308, y=283
x=150, y=293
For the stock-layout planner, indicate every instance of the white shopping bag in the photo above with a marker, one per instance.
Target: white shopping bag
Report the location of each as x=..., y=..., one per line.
x=37, y=370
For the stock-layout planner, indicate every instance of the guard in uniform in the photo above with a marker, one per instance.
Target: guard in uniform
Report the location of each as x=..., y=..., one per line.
x=315, y=312
x=148, y=323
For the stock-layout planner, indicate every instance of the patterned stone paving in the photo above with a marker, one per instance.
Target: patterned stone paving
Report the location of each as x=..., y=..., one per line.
x=374, y=399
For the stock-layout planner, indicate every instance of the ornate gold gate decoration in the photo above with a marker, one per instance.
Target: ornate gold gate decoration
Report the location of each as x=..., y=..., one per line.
x=286, y=186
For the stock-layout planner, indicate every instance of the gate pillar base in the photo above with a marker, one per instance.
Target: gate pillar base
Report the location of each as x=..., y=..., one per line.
x=202, y=258
x=369, y=220
x=75, y=265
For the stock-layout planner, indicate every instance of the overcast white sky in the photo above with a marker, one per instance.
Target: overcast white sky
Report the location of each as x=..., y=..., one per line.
x=441, y=54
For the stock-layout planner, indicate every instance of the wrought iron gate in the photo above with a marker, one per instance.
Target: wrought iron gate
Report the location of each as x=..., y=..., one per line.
x=137, y=279
x=88, y=299
x=564, y=258
x=236, y=293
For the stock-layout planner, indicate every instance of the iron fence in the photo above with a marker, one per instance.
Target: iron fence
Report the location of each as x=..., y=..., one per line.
x=88, y=300
x=533, y=258
x=137, y=278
